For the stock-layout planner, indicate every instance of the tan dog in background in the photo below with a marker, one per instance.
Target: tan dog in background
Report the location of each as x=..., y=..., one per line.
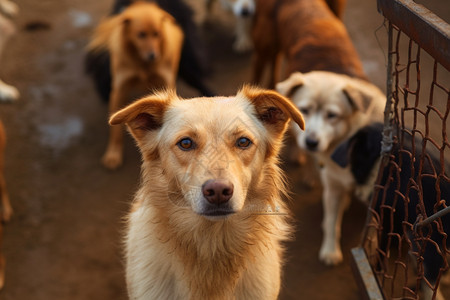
x=209, y=218
x=334, y=106
x=145, y=44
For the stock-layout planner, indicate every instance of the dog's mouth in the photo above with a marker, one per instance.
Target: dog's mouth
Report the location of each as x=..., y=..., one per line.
x=218, y=213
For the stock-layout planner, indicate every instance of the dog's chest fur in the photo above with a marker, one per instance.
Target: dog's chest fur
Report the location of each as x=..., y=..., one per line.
x=201, y=259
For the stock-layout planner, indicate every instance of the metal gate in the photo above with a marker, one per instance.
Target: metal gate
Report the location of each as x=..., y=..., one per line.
x=398, y=249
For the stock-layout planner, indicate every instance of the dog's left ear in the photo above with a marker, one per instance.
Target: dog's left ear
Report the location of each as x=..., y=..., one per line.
x=359, y=99
x=273, y=109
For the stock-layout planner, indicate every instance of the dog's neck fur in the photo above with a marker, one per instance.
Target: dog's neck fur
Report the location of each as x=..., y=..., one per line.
x=224, y=246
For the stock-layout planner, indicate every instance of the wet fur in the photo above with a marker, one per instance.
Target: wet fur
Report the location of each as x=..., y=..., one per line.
x=172, y=250
x=307, y=34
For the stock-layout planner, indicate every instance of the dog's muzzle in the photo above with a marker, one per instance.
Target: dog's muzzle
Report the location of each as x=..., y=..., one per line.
x=217, y=193
x=312, y=143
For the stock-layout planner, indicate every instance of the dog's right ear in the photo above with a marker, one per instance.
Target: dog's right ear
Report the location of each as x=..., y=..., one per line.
x=144, y=115
x=291, y=85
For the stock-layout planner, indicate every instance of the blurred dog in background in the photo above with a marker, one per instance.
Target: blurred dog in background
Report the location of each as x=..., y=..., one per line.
x=8, y=9
x=327, y=82
x=144, y=43
x=243, y=10
x=193, y=67
x=305, y=35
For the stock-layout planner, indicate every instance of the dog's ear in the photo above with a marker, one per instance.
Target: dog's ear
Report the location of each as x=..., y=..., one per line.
x=273, y=109
x=342, y=153
x=360, y=151
x=144, y=115
x=357, y=96
x=291, y=85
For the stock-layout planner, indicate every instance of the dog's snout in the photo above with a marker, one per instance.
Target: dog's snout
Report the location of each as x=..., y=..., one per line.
x=151, y=56
x=312, y=143
x=245, y=12
x=217, y=191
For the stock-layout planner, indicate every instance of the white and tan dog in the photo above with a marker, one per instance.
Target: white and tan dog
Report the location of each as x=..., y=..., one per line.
x=202, y=225
x=8, y=9
x=334, y=107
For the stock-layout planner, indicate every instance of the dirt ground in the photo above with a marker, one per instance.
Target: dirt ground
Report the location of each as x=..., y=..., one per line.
x=64, y=241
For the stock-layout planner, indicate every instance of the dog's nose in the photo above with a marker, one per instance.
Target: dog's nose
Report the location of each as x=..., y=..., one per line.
x=311, y=143
x=217, y=191
x=151, y=56
x=245, y=12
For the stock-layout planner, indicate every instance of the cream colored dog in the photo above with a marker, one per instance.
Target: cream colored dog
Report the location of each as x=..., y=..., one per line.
x=334, y=107
x=208, y=219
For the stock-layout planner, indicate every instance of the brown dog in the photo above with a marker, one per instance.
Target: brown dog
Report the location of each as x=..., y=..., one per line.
x=6, y=205
x=144, y=43
x=307, y=34
x=209, y=217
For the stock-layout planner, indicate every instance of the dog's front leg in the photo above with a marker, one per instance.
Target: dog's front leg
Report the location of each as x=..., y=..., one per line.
x=112, y=159
x=335, y=200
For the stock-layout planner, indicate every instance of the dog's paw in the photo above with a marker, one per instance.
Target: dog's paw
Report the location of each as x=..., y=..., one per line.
x=330, y=257
x=8, y=93
x=243, y=44
x=9, y=8
x=7, y=213
x=112, y=160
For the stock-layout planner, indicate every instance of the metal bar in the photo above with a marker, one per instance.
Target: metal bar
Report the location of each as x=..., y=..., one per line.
x=432, y=218
x=363, y=272
x=424, y=27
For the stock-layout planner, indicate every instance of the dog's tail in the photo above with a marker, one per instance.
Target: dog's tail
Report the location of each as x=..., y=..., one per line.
x=101, y=38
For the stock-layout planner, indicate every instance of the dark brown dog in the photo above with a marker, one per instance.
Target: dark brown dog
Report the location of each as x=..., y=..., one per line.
x=307, y=33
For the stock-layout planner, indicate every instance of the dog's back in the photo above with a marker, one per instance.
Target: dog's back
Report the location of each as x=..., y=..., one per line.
x=313, y=39
x=308, y=34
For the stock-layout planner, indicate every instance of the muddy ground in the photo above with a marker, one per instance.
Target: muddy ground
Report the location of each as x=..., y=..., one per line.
x=64, y=239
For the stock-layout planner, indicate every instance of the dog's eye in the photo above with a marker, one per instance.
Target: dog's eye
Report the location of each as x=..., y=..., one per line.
x=142, y=34
x=243, y=143
x=155, y=34
x=331, y=115
x=304, y=110
x=186, y=144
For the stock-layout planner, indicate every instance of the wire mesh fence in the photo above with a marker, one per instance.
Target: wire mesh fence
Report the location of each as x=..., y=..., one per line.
x=406, y=237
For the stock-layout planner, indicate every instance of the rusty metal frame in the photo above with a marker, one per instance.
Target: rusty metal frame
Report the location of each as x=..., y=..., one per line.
x=424, y=27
